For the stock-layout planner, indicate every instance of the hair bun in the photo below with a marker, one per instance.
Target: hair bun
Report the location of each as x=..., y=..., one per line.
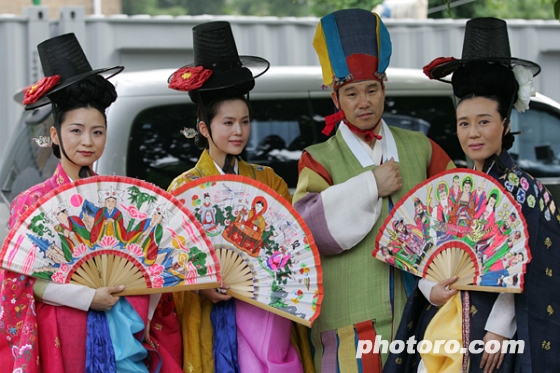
x=94, y=90
x=484, y=78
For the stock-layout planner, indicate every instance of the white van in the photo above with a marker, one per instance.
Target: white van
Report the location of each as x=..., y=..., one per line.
x=144, y=124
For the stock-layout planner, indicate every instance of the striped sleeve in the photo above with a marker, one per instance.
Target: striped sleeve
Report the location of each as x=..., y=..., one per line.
x=337, y=216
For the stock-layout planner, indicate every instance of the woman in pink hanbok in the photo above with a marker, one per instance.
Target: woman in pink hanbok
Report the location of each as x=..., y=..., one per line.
x=47, y=327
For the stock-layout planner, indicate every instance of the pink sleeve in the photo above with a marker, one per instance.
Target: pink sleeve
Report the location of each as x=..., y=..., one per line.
x=21, y=203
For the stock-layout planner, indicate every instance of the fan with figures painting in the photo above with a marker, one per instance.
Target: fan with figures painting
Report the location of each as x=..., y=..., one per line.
x=267, y=254
x=112, y=230
x=458, y=223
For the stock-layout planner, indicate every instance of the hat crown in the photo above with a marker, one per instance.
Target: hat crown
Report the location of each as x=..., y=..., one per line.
x=486, y=38
x=64, y=63
x=215, y=51
x=214, y=47
x=63, y=55
x=352, y=45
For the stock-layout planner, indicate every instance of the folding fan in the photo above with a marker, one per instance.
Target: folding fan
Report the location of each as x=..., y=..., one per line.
x=112, y=230
x=267, y=254
x=458, y=223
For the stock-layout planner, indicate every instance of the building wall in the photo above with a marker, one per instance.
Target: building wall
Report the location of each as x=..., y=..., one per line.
x=143, y=42
x=108, y=7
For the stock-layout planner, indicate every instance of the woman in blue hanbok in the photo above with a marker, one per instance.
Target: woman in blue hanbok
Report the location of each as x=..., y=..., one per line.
x=488, y=88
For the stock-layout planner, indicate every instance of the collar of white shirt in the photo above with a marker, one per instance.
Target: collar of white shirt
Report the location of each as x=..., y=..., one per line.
x=386, y=147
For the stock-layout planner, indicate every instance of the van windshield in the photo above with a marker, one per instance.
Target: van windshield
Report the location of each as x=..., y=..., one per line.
x=280, y=130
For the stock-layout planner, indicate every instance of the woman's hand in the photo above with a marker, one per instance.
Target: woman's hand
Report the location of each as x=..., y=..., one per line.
x=104, y=300
x=491, y=361
x=441, y=293
x=216, y=295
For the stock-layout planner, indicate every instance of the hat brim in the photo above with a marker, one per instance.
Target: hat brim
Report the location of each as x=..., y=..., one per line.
x=107, y=73
x=443, y=70
x=257, y=65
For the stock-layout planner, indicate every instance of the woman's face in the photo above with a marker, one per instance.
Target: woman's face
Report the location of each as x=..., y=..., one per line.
x=479, y=128
x=230, y=130
x=83, y=134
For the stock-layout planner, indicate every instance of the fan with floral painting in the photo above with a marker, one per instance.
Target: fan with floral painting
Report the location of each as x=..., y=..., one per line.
x=458, y=223
x=267, y=254
x=112, y=230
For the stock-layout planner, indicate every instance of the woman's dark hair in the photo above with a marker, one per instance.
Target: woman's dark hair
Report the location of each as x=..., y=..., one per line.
x=93, y=92
x=207, y=112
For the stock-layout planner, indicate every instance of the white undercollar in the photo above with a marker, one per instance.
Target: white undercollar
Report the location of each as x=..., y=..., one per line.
x=235, y=167
x=387, y=145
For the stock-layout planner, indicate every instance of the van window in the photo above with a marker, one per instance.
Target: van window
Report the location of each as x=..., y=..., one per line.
x=535, y=148
x=280, y=130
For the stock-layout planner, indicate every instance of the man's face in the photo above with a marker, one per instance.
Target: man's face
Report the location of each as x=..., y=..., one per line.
x=362, y=102
x=456, y=183
x=110, y=203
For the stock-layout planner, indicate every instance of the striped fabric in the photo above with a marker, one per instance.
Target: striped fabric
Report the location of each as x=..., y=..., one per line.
x=339, y=350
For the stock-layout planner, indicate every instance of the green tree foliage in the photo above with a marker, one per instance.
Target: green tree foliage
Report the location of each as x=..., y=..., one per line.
x=173, y=7
x=279, y=8
x=507, y=9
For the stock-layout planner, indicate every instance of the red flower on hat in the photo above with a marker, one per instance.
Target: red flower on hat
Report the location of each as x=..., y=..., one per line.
x=435, y=63
x=189, y=78
x=37, y=90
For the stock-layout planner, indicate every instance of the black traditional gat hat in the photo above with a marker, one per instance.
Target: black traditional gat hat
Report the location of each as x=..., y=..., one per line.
x=217, y=70
x=64, y=63
x=486, y=39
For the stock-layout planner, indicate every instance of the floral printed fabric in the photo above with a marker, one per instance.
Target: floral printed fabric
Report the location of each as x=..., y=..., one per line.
x=18, y=319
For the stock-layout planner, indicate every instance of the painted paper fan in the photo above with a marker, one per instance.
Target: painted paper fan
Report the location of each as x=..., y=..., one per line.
x=458, y=223
x=266, y=252
x=112, y=230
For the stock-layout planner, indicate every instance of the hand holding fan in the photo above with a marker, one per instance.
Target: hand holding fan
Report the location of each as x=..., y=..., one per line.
x=458, y=223
x=112, y=230
x=267, y=254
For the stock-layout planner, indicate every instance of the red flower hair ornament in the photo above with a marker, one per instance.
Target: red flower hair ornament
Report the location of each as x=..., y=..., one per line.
x=38, y=90
x=435, y=63
x=189, y=78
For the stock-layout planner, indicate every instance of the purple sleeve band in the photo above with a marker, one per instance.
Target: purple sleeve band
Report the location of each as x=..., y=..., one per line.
x=310, y=207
